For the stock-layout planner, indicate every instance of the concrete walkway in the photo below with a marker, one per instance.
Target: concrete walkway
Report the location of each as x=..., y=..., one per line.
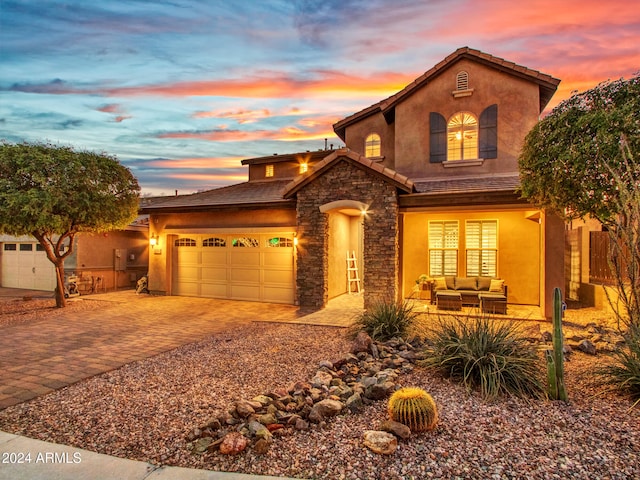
x=23, y=458
x=56, y=350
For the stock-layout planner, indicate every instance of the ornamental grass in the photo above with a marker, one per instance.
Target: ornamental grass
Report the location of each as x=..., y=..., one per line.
x=485, y=355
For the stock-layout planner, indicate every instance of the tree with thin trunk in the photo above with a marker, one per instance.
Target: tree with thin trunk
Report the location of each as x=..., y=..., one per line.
x=582, y=161
x=55, y=192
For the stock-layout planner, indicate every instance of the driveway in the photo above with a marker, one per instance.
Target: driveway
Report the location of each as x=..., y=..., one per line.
x=49, y=353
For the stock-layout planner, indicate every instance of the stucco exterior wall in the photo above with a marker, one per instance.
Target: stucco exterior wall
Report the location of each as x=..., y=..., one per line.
x=518, y=111
x=356, y=134
x=519, y=249
x=119, y=258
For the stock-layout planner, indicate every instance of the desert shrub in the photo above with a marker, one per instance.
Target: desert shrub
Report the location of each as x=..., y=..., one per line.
x=385, y=320
x=485, y=355
x=624, y=372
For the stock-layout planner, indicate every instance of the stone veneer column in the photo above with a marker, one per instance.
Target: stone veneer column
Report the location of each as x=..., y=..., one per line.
x=345, y=181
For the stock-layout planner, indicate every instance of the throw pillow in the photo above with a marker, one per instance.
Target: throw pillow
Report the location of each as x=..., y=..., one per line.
x=439, y=283
x=484, y=283
x=496, y=285
x=466, y=283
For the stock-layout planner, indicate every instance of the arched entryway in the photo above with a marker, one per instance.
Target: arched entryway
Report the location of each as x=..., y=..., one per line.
x=345, y=238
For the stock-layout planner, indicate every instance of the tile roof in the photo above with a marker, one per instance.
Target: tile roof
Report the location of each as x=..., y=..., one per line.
x=486, y=183
x=310, y=156
x=399, y=180
x=547, y=83
x=242, y=194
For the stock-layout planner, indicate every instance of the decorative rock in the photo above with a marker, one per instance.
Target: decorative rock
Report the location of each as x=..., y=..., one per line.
x=326, y=364
x=262, y=446
x=244, y=409
x=379, y=391
x=587, y=347
x=321, y=378
x=400, y=430
x=382, y=443
x=263, y=400
x=354, y=403
x=324, y=409
x=200, y=445
x=362, y=343
x=267, y=419
x=233, y=443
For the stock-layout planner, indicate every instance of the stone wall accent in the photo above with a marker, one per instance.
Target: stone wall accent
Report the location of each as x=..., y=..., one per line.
x=347, y=181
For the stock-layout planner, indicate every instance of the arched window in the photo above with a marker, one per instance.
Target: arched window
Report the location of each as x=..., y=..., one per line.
x=185, y=242
x=372, y=145
x=214, y=242
x=462, y=137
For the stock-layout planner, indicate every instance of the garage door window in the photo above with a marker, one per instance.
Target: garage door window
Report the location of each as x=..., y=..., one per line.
x=280, y=242
x=26, y=247
x=245, y=242
x=214, y=242
x=10, y=247
x=185, y=242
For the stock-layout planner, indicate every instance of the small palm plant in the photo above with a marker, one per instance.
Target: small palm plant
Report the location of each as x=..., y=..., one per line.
x=485, y=355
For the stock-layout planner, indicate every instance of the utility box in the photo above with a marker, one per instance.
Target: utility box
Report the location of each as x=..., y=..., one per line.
x=119, y=259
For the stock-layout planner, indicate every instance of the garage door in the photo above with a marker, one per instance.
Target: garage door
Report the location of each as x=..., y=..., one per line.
x=25, y=265
x=255, y=267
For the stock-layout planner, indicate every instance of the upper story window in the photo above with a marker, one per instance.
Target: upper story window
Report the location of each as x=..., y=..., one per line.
x=268, y=170
x=372, y=145
x=462, y=137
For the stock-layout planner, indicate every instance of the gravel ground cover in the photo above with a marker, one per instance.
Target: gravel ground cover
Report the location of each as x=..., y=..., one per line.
x=145, y=411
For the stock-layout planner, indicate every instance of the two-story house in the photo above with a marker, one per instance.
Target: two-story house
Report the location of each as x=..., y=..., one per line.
x=427, y=184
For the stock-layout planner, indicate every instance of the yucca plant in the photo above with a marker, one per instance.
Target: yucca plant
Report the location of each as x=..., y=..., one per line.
x=624, y=372
x=485, y=355
x=385, y=320
x=414, y=408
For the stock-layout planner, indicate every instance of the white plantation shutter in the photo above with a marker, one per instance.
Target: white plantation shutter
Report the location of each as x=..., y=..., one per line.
x=443, y=248
x=481, y=239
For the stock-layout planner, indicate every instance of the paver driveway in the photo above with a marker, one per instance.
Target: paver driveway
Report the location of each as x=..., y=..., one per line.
x=47, y=354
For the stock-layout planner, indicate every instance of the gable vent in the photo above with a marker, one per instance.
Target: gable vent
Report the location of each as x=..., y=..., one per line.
x=462, y=81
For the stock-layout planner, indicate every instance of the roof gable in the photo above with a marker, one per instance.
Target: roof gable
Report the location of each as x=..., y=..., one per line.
x=546, y=83
x=398, y=180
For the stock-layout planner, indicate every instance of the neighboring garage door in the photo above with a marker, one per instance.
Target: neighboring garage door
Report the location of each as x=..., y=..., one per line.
x=255, y=267
x=25, y=265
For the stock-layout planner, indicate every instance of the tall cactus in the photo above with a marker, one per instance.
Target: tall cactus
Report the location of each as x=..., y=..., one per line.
x=555, y=357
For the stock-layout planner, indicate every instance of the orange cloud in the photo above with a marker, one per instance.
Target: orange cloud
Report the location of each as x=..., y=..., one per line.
x=241, y=116
x=210, y=177
x=201, y=163
x=284, y=134
x=332, y=83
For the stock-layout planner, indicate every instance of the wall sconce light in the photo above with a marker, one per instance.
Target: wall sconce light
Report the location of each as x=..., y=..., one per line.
x=154, y=240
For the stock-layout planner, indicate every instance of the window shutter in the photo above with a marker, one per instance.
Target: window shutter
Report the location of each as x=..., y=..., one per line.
x=437, y=138
x=489, y=132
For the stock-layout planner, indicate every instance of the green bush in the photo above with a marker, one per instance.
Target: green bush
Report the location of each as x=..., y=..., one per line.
x=625, y=371
x=385, y=320
x=485, y=355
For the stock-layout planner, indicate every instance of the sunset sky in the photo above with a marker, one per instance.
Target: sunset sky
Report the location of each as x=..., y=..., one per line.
x=182, y=90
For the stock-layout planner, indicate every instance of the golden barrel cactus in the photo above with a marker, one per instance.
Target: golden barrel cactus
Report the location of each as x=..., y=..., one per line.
x=414, y=408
